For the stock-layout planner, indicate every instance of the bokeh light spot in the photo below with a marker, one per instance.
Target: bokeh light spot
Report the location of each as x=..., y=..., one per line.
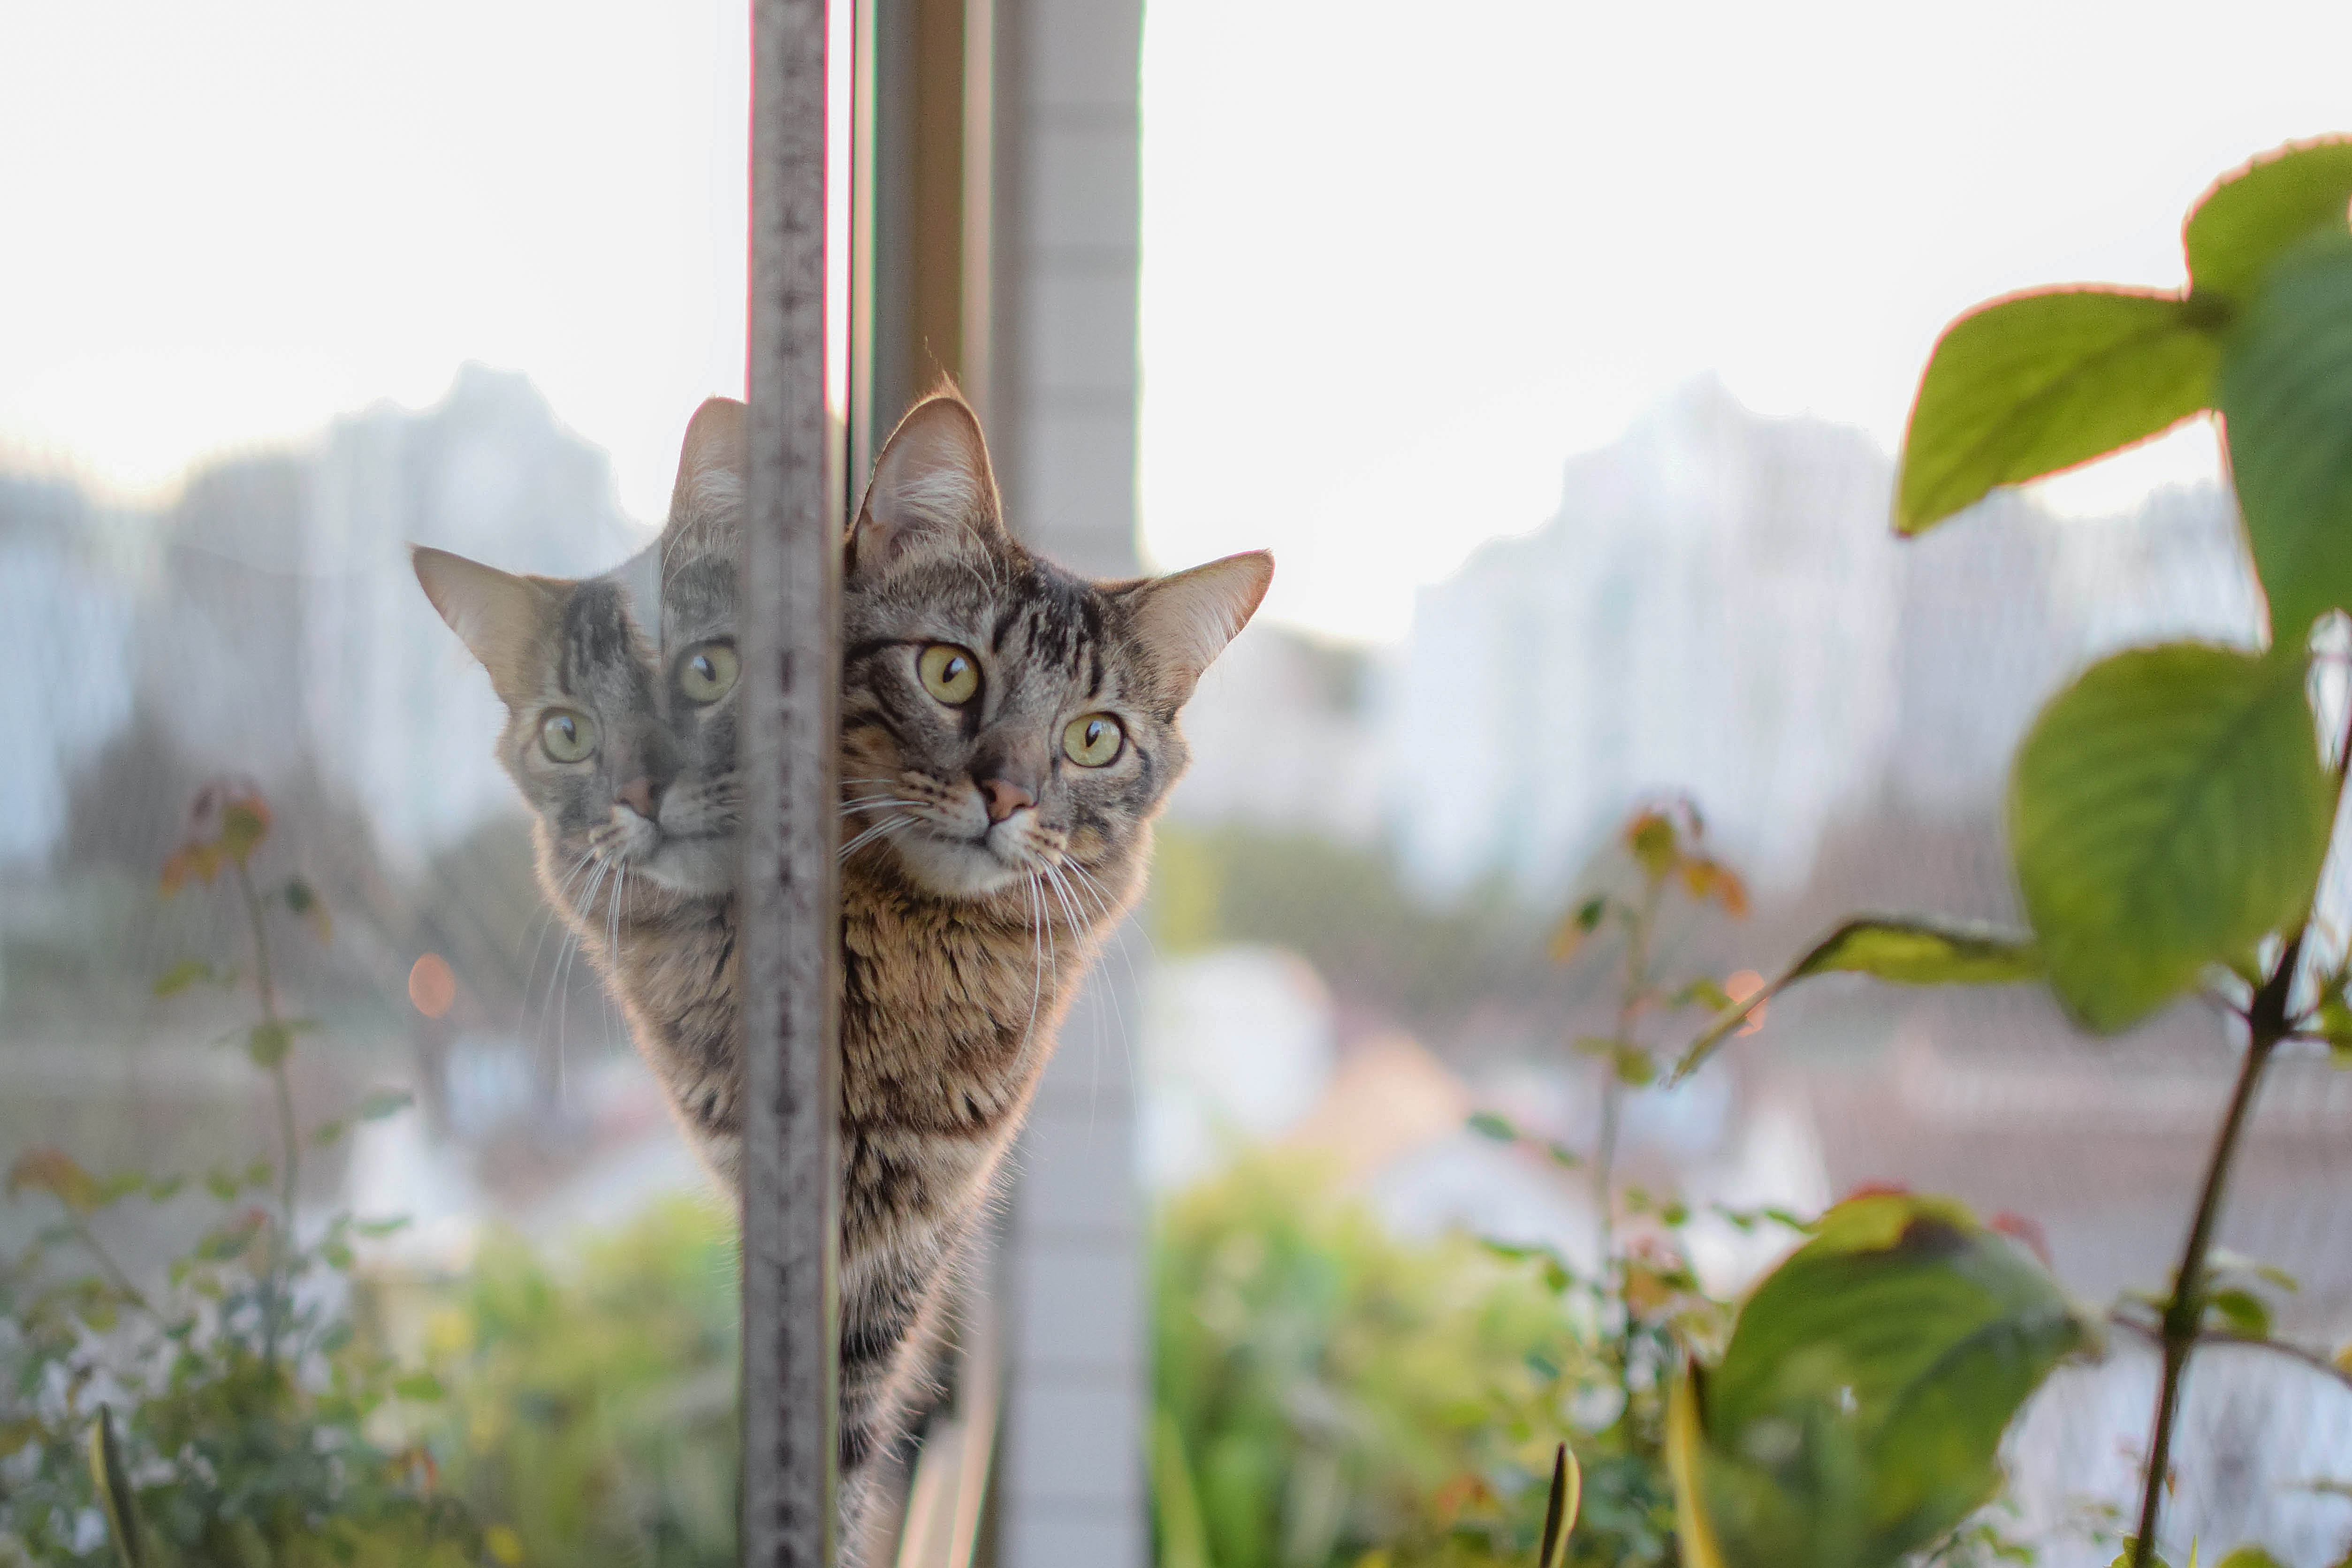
x=431, y=985
x=1740, y=988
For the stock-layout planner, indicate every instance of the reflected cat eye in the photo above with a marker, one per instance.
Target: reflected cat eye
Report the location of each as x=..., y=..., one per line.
x=708, y=673
x=949, y=673
x=568, y=737
x=1092, y=740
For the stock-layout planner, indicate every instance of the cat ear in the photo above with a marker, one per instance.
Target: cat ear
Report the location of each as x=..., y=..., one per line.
x=711, y=470
x=1184, y=621
x=933, y=492
x=499, y=614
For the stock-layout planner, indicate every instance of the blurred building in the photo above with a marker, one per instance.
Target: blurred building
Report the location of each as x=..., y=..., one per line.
x=399, y=712
x=266, y=623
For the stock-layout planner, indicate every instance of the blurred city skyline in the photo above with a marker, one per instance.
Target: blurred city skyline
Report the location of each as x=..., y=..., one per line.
x=1375, y=323
x=1712, y=608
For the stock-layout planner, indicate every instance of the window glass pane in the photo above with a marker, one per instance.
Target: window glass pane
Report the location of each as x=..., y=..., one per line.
x=316, y=286
x=1561, y=354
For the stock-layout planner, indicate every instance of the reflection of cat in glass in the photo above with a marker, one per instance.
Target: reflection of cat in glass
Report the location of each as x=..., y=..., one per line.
x=1008, y=732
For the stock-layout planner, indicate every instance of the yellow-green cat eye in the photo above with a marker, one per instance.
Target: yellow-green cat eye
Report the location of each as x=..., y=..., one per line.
x=569, y=737
x=708, y=673
x=1092, y=740
x=949, y=673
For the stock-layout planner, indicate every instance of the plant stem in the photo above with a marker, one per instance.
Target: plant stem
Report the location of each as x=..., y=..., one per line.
x=2267, y=1023
x=1630, y=995
x=120, y=1281
x=273, y=1295
x=1613, y=1096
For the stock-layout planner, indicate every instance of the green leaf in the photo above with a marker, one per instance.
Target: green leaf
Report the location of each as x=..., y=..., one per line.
x=379, y=1103
x=324, y=1135
x=229, y=1240
x=119, y=1186
x=2245, y=1313
x=1570, y=935
x=2036, y=382
x=1904, y=952
x=57, y=1173
x=1560, y=1509
x=1487, y=1124
x=116, y=1497
x=419, y=1385
x=2166, y=810
x=244, y=825
x=2285, y=396
x=2249, y=1557
x=1655, y=844
x=1634, y=1066
x=181, y=975
x=268, y=1044
x=2255, y=214
x=1858, y=1411
x=381, y=1227
x=1705, y=993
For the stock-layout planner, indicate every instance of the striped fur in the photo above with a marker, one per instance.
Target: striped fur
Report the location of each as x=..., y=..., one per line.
x=965, y=929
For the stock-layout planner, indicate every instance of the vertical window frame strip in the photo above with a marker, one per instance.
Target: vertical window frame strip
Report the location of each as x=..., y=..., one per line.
x=788, y=902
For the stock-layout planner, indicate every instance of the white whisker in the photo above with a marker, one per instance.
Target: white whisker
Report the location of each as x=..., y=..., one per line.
x=880, y=830
x=1037, y=945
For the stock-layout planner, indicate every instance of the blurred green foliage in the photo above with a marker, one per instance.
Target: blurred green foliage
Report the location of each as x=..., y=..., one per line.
x=1327, y=1395
x=252, y=1419
x=592, y=1403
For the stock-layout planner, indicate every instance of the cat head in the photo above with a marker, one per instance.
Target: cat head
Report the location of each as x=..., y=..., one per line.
x=626, y=758
x=1002, y=717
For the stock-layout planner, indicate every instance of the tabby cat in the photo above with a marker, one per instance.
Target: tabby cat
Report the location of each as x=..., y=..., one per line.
x=1008, y=732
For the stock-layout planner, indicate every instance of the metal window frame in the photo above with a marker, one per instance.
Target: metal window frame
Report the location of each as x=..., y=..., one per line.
x=826, y=376
x=789, y=892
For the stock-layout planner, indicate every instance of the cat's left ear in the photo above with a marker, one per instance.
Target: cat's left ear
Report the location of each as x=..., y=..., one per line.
x=1184, y=621
x=706, y=505
x=503, y=618
x=933, y=493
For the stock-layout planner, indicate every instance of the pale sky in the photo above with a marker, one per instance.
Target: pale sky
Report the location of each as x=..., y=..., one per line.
x=1400, y=261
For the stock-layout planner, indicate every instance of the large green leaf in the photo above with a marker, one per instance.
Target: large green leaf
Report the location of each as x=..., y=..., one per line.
x=1858, y=1410
x=2286, y=395
x=2166, y=812
x=2253, y=215
x=2036, y=382
x=1907, y=951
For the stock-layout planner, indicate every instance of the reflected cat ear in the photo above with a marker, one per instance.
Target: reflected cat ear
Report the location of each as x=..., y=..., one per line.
x=711, y=471
x=1184, y=621
x=500, y=616
x=933, y=492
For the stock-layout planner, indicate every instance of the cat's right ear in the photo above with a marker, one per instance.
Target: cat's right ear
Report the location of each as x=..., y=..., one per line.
x=933, y=492
x=711, y=470
x=499, y=614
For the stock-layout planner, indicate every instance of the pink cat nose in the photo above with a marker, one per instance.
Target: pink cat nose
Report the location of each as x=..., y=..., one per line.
x=638, y=794
x=1004, y=797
